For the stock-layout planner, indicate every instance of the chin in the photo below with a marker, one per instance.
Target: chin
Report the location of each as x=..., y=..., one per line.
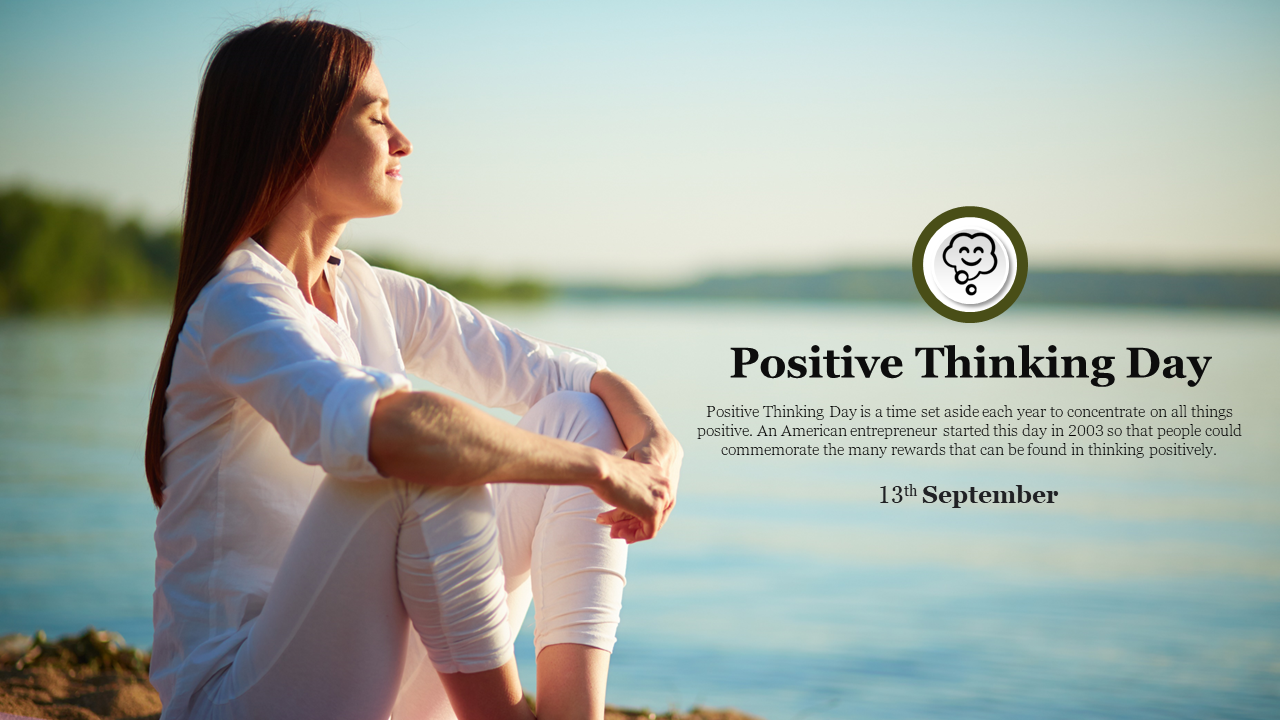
x=386, y=206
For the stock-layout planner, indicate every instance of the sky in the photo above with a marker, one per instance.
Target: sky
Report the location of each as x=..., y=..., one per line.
x=655, y=142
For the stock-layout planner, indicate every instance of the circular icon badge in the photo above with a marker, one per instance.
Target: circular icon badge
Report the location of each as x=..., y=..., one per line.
x=969, y=264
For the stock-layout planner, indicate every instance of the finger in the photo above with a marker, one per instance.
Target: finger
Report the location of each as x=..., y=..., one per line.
x=609, y=517
x=659, y=522
x=642, y=534
x=663, y=514
x=628, y=520
x=631, y=532
x=626, y=526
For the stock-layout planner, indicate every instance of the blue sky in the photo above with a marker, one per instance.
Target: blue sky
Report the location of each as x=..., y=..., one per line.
x=659, y=141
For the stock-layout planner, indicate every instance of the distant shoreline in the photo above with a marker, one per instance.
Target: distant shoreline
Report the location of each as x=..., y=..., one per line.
x=1260, y=290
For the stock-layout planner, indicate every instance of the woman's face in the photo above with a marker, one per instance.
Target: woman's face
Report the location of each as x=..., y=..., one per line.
x=358, y=172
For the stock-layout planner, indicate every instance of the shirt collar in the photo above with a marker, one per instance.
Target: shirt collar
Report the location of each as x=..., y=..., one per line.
x=251, y=246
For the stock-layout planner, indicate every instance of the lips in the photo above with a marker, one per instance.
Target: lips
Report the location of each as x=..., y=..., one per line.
x=394, y=173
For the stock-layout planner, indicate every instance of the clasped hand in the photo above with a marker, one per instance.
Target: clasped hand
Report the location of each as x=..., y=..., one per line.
x=642, y=486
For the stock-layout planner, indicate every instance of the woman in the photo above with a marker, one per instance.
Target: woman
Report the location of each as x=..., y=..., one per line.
x=323, y=531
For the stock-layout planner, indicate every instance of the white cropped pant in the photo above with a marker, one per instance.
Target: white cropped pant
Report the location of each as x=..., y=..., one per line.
x=459, y=565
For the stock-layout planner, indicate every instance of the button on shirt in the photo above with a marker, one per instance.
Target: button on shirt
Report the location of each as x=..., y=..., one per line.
x=268, y=394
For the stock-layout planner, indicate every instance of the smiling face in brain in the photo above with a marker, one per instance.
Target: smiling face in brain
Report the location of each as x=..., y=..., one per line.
x=970, y=255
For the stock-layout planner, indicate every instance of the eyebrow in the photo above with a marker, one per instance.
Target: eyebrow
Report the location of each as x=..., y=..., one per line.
x=381, y=99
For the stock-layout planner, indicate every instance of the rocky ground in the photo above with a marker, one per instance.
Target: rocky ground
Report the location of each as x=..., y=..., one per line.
x=95, y=676
x=86, y=677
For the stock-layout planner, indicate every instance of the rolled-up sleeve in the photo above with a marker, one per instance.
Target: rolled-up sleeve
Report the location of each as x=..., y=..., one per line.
x=455, y=346
x=258, y=345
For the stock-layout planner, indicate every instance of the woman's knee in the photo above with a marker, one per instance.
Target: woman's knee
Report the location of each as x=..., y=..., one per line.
x=569, y=403
x=451, y=580
x=447, y=566
x=574, y=416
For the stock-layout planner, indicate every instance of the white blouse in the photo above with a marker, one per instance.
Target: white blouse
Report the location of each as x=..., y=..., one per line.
x=269, y=394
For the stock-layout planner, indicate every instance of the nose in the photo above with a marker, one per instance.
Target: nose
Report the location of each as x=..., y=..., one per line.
x=399, y=143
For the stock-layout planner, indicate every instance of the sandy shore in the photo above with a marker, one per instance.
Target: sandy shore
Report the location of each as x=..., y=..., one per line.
x=95, y=676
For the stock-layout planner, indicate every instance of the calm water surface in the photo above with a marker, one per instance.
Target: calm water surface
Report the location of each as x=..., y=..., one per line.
x=783, y=587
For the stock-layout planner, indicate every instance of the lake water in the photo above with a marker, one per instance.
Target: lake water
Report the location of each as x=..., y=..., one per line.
x=784, y=587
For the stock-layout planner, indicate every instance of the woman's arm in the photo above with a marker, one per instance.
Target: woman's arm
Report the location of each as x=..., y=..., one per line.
x=432, y=439
x=648, y=442
x=455, y=346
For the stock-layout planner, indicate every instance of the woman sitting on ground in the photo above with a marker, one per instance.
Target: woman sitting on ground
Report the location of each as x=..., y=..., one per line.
x=323, y=530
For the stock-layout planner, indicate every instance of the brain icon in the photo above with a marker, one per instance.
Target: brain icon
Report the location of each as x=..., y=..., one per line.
x=970, y=255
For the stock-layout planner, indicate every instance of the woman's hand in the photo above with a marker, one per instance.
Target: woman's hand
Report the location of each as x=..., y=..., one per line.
x=661, y=454
x=649, y=444
x=642, y=495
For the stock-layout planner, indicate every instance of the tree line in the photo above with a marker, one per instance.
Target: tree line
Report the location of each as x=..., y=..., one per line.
x=73, y=256
x=63, y=256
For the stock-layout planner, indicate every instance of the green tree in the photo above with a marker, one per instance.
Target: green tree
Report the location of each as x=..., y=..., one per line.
x=61, y=256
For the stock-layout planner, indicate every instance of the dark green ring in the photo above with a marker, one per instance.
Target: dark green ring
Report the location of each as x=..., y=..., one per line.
x=1019, y=278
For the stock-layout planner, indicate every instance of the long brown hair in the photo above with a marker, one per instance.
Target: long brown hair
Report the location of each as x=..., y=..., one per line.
x=270, y=99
